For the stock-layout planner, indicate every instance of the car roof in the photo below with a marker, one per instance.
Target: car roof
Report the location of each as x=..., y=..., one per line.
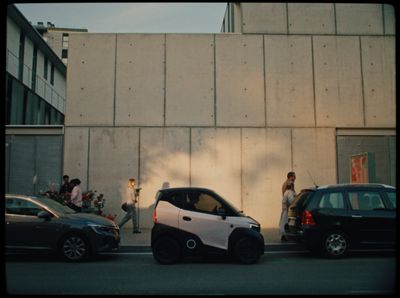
x=20, y=196
x=167, y=190
x=351, y=185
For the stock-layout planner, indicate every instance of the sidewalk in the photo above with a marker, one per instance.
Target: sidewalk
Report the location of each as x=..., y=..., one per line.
x=271, y=236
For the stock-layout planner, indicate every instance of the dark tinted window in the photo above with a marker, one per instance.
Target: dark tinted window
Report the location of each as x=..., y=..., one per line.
x=392, y=198
x=302, y=199
x=366, y=200
x=333, y=200
x=174, y=198
x=21, y=207
x=201, y=202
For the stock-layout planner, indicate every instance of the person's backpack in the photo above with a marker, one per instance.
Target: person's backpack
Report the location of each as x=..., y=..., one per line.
x=123, y=206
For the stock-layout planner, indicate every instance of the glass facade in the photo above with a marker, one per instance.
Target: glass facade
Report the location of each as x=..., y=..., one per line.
x=24, y=107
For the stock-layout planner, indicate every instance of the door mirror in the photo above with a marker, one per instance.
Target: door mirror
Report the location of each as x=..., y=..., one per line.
x=221, y=212
x=44, y=215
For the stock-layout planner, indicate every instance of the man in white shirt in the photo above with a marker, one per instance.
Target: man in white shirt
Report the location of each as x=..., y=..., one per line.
x=131, y=208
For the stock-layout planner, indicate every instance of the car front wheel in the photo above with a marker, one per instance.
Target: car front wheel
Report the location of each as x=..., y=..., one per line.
x=247, y=251
x=335, y=244
x=74, y=248
x=166, y=250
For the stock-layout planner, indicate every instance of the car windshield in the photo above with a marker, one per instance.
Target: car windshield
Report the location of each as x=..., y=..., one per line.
x=54, y=205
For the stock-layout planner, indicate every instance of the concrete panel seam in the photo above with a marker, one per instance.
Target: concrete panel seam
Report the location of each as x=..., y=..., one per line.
x=215, y=85
x=313, y=76
x=362, y=80
x=115, y=78
x=165, y=79
x=383, y=19
x=334, y=17
x=139, y=145
x=287, y=18
x=88, y=161
x=265, y=85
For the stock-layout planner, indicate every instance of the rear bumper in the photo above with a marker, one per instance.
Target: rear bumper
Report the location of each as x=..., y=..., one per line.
x=308, y=236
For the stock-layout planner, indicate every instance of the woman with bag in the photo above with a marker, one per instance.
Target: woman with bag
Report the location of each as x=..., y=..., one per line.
x=287, y=199
x=130, y=208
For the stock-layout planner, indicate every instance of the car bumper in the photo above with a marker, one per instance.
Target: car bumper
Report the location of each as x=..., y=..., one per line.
x=307, y=235
x=105, y=243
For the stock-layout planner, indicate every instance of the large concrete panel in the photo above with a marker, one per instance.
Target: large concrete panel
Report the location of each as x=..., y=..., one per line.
x=379, y=74
x=264, y=18
x=90, y=77
x=114, y=158
x=266, y=159
x=215, y=161
x=139, y=94
x=314, y=156
x=311, y=18
x=359, y=18
x=338, y=84
x=76, y=146
x=289, y=81
x=164, y=162
x=190, y=80
x=390, y=19
x=239, y=80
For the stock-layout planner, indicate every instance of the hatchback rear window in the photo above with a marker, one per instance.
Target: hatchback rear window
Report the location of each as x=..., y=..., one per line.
x=392, y=198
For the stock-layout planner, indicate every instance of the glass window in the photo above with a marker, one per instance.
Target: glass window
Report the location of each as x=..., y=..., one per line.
x=52, y=74
x=201, y=202
x=34, y=67
x=21, y=207
x=365, y=200
x=332, y=200
x=17, y=104
x=21, y=55
x=64, y=53
x=392, y=198
x=46, y=66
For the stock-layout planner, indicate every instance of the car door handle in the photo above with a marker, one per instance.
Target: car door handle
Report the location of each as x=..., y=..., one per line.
x=356, y=216
x=187, y=218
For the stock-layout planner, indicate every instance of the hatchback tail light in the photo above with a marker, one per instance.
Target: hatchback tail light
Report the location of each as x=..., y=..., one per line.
x=154, y=216
x=307, y=219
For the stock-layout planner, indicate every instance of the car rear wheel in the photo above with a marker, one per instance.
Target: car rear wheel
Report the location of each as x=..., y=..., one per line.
x=247, y=251
x=335, y=244
x=74, y=248
x=166, y=250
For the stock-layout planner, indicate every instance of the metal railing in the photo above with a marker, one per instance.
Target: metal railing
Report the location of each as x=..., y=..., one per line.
x=43, y=88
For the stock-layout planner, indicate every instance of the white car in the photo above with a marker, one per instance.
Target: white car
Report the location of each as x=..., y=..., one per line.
x=195, y=221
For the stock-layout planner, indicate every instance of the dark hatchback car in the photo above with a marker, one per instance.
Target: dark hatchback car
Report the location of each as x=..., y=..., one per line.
x=334, y=219
x=40, y=224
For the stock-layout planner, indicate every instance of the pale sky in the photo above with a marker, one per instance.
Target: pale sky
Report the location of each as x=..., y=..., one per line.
x=150, y=17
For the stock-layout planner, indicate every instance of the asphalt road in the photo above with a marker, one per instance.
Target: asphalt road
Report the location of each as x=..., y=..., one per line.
x=138, y=274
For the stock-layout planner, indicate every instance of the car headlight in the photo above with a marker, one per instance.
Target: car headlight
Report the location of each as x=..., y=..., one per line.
x=100, y=229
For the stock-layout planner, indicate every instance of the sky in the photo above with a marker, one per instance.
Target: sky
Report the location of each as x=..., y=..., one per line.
x=150, y=17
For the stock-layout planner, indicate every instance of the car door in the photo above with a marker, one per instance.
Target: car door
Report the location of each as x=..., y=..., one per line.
x=24, y=229
x=199, y=216
x=370, y=219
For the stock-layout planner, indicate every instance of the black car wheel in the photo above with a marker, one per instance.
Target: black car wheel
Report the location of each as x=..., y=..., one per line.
x=166, y=250
x=74, y=248
x=247, y=251
x=335, y=244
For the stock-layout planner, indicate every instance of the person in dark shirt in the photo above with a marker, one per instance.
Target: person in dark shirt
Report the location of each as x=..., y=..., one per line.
x=66, y=187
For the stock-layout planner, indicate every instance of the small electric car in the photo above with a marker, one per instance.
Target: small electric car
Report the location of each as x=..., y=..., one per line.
x=196, y=221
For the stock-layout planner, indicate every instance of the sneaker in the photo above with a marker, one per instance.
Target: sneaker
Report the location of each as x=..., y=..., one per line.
x=136, y=232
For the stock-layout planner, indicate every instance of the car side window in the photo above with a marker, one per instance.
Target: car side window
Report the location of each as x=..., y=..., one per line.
x=21, y=207
x=333, y=200
x=392, y=198
x=201, y=202
x=366, y=200
x=175, y=199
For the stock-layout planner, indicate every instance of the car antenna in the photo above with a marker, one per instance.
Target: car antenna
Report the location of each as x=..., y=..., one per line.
x=312, y=179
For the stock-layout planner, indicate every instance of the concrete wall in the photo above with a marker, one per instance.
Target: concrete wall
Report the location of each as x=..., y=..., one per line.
x=229, y=112
x=317, y=18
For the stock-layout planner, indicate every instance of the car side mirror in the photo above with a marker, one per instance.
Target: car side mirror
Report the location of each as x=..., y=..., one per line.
x=44, y=215
x=221, y=212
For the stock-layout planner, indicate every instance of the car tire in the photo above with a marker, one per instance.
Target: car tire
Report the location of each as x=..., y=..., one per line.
x=335, y=245
x=74, y=248
x=166, y=250
x=247, y=250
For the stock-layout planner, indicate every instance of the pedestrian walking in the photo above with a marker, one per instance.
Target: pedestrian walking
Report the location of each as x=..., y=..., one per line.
x=76, y=195
x=287, y=199
x=291, y=176
x=131, y=207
